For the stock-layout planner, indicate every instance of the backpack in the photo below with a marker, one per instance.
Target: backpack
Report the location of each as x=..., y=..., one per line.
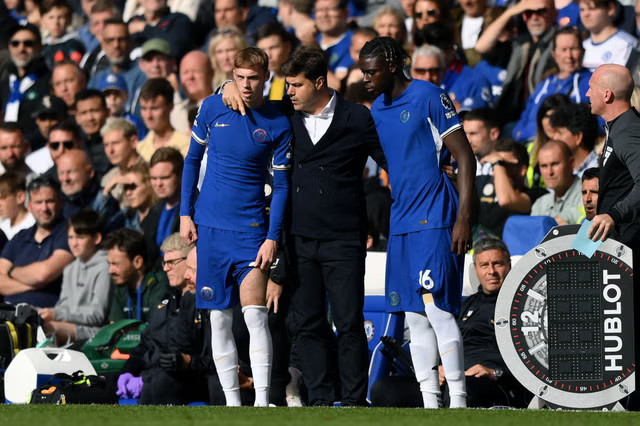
x=74, y=389
x=18, y=330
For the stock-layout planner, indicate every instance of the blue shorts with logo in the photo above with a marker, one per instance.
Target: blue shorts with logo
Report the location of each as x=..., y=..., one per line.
x=224, y=260
x=420, y=262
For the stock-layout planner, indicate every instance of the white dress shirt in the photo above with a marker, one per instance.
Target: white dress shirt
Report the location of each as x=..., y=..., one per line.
x=318, y=124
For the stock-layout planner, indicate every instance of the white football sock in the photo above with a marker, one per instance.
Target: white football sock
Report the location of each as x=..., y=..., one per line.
x=260, y=348
x=225, y=355
x=424, y=354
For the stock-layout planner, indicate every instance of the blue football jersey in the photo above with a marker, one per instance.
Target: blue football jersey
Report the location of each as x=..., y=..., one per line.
x=411, y=128
x=240, y=149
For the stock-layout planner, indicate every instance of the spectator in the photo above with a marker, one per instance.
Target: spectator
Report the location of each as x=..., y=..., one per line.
x=83, y=306
x=25, y=80
x=574, y=125
x=483, y=131
x=31, y=263
x=590, y=188
x=91, y=114
x=467, y=89
x=223, y=47
x=59, y=45
x=49, y=112
x=139, y=194
x=334, y=38
x=156, y=99
x=80, y=187
x=62, y=137
x=120, y=141
x=158, y=21
x=67, y=81
x=473, y=17
x=13, y=149
x=571, y=79
x=530, y=54
x=295, y=15
x=389, y=22
x=14, y=216
x=245, y=15
x=114, y=89
x=137, y=290
x=187, y=7
x=427, y=12
x=166, y=180
x=196, y=77
x=276, y=42
x=359, y=38
x=502, y=193
x=156, y=62
x=606, y=43
x=556, y=167
x=91, y=33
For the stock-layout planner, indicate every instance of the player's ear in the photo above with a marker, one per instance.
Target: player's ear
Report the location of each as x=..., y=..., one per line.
x=320, y=82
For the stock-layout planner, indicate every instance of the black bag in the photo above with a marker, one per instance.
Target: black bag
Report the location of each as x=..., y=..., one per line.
x=75, y=389
x=18, y=330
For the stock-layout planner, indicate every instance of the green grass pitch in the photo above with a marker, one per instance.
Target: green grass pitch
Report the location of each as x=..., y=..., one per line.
x=95, y=415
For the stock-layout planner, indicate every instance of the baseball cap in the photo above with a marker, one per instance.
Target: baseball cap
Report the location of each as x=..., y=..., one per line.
x=51, y=105
x=29, y=27
x=113, y=82
x=156, y=45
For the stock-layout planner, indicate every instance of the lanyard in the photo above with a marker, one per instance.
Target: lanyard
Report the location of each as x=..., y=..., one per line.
x=138, y=303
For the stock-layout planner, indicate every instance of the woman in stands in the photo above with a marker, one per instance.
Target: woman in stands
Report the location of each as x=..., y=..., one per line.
x=222, y=49
x=139, y=194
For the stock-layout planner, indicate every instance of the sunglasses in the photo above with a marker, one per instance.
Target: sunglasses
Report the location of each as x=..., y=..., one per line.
x=66, y=144
x=129, y=186
x=540, y=12
x=26, y=43
x=432, y=13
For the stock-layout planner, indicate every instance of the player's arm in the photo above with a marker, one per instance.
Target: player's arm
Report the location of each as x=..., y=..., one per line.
x=458, y=144
x=190, y=173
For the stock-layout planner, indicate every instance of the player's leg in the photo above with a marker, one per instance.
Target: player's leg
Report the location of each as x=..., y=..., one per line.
x=225, y=354
x=424, y=354
x=451, y=353
x=253, y=299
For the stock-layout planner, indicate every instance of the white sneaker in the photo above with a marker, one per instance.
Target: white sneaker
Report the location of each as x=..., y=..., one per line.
x=293, y=390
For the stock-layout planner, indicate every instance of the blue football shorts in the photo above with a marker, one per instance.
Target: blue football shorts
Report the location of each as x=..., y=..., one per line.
x=421, y=262
x=224, y=260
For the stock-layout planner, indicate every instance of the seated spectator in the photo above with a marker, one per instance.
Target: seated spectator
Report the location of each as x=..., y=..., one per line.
x=276, y=42
x=246, y=15
x=158, y=21
x=187, y=7
x=173, y=363
x=67, y=80
x=564, y=200
x=80, y=188
x=50, y=112
x=31, y=263
x=91, y=114
x=116, y=95
x=295, y=15
x=139, y=194
x=166, y=180
x=91, y=33
x=138, y=290
x=222, y=48
x=86, y=285
x=62, y=137
x=13, y=149
x=426, y=12
x=334, y=37
x=473, y=17
x=360, y=37
x=26, y=78
x=389, y=22
x=467, y=90
x=120, y=141
x=590, y=187
x=14, y=216
x=606, y=43
x=483, y=131
x=196, y=77
x=156, y=100
x=59, y=45
x=571, y=79
x=574, y=125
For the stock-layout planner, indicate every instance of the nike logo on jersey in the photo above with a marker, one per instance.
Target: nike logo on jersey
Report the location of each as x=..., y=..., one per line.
x=221, y=124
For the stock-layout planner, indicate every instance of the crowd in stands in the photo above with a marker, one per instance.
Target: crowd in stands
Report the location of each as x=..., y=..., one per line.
x=98, y=98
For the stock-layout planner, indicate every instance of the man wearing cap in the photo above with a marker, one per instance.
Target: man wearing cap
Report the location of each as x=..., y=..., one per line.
x=27, y=79
x=158, y=21
x=50, y=111
x=114, y=88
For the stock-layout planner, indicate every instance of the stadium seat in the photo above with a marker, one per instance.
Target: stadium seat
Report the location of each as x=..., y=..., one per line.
x=522, y=233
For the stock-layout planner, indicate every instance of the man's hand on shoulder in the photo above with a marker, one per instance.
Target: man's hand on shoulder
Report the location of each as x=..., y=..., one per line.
x=232, y=99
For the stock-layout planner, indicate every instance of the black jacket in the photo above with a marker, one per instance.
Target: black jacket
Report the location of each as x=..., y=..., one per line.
x=150, y=229
x=619, y=191
x=327, y=194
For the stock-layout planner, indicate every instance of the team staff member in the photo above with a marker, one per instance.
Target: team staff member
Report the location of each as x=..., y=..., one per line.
x=429, y=227
x=618, y=208
x=333, y=138
x=236, y=246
